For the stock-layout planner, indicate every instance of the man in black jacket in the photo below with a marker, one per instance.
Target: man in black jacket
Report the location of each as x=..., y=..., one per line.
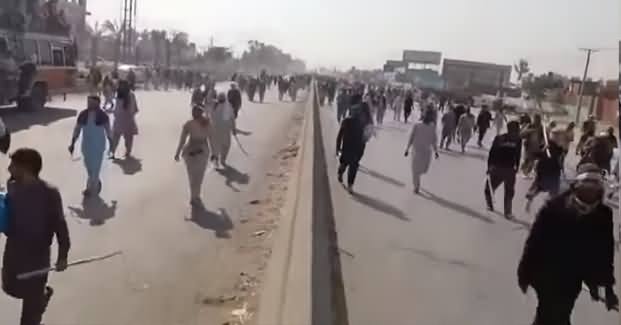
x=235, y=98
x=483, y=123
x=502, y=165
x=350, y=145
x=570, y=243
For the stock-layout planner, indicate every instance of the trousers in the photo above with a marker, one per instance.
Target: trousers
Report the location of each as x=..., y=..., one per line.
x=196, y=166
x=128, y=139
x=554, y=308
x=482, y=132
x=497, y=176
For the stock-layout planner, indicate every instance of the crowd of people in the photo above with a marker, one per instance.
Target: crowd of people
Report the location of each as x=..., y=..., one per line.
x=571, y=242
x=36, y=213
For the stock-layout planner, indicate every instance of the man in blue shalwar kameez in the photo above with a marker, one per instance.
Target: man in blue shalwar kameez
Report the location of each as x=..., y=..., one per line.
x=94, y=125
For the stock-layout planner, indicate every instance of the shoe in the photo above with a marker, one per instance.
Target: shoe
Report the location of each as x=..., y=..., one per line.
x=417, y=190
x=350, y=188
x=195, y=202
x=99, y=186
x=490, y=208
x=340, y=178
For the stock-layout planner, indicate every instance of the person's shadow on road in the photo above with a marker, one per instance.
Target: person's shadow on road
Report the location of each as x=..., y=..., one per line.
x=17, y=120
x=455, y=206
x=129, y=165
x=381, y=177
x=380, y=206
x=220, y=223
x=233, y=176
x=96, y=210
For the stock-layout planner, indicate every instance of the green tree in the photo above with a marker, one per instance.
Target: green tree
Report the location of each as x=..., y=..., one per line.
x=537, y=87
x=114, y=30
x=95, y=34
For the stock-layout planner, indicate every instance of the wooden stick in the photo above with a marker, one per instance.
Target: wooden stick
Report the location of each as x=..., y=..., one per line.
x=41, y=272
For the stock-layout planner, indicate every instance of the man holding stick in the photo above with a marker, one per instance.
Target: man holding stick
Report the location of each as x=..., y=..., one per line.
x=35, y=217
x=502, y=165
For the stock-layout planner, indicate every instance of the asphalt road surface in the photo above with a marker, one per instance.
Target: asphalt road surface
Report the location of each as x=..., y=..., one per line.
x=439, y=258
x=169, y=263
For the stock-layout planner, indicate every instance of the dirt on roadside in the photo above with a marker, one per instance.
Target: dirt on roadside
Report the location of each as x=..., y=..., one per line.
x=236, y=301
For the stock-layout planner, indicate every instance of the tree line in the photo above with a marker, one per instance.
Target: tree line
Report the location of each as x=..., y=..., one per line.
x=171, y=48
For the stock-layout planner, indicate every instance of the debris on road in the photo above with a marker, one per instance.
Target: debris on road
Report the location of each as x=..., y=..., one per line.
x=259, y=233
x=219, y=300
x=241, y=313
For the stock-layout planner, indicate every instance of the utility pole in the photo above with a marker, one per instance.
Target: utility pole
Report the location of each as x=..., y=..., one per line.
x=582, y=85
x=128, y=27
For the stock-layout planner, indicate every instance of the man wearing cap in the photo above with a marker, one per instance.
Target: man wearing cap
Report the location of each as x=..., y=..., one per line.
x=502, y=165
x=570, y=243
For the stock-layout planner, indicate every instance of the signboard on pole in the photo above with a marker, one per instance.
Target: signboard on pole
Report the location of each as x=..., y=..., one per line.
x=422, y=57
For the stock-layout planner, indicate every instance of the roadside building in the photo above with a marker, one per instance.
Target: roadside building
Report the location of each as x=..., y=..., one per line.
x=469, y=75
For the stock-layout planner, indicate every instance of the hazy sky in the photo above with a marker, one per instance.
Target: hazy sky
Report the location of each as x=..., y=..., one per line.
x=362, y=33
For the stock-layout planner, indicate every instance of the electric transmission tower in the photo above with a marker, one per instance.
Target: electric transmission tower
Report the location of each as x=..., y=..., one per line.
x=128, y=29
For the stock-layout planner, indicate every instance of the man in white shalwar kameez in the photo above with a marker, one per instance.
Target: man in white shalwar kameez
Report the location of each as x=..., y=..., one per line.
x=423, y=138
x=223, y=119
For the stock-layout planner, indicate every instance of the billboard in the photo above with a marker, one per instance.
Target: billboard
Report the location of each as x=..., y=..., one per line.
x=461, y=74
x=422, y=57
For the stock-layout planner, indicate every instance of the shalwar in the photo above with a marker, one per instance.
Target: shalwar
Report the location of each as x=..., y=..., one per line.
x=423, y=138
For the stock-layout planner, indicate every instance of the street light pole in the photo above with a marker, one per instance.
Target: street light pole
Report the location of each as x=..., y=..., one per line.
x=582, y=85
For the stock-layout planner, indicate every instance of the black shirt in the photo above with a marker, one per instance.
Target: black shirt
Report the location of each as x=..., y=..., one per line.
x=483, y=119
x=552, y=165
x=506, y=152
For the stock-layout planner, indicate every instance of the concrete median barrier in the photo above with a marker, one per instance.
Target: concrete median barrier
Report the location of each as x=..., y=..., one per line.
x=301, y=274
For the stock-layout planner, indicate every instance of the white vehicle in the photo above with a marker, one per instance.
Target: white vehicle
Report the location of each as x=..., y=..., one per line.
x=139, y=71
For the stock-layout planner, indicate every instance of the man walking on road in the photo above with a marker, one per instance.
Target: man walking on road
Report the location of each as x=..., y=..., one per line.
x=223, y=118
x=342, y=102
x=502, y=166
x=483, y=123
x=350, y=145
x=449, y=123
x=570, y=243
x=35, y=217
x=407, y=105
x=423, y=138
x=548, y=170
x=465, y=128
x=94, y=126
x=235, y=98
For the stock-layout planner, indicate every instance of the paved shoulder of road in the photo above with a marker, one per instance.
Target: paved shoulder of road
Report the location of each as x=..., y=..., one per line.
x=171, y=263
x=435, y=258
